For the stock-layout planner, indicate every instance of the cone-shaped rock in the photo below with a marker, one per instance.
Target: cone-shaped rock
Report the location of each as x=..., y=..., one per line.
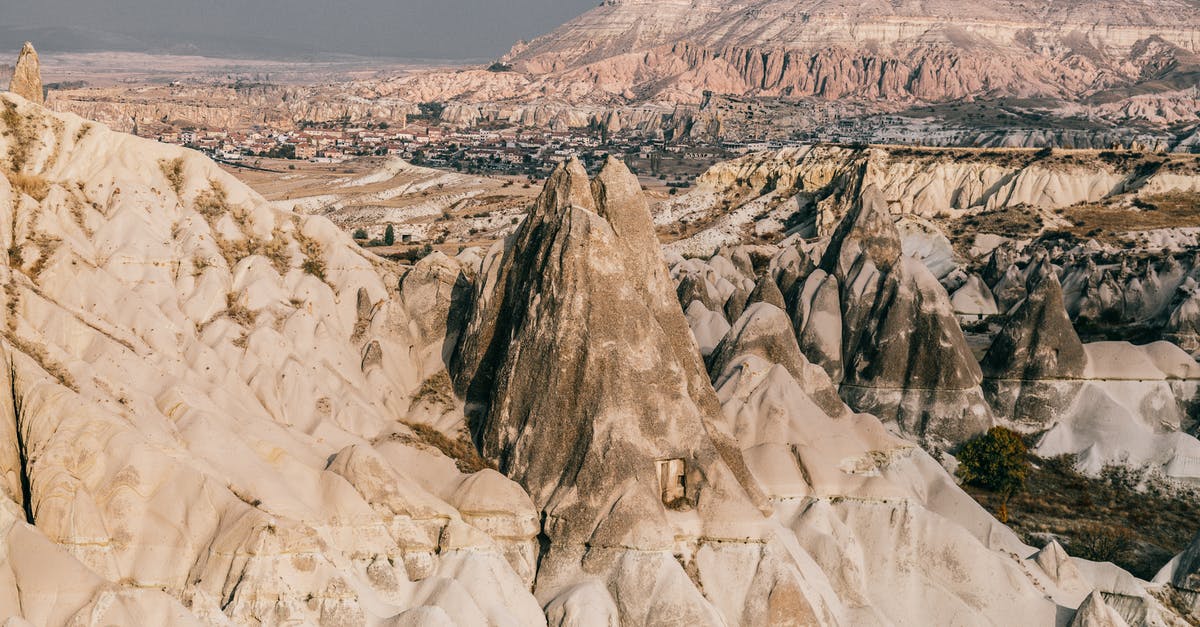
x=766, y=291
x=1094, y=612
x=588, y=389
x=27, y=78
x=1034, y=366
x=1038, y=341
x=904, y=355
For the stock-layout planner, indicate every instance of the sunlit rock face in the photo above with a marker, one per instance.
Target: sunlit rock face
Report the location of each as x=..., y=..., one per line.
x=221, y=412
x=27, y=76
x=833, y=49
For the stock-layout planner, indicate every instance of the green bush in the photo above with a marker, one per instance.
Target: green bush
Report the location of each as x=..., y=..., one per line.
x=996, y=461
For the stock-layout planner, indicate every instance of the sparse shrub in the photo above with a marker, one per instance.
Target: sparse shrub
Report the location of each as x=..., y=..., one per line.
x=29, y=184
x=461, y=450
x=173, y=171
x=199, y=265
x=1103, y=543
x=314, y=255
x=996, y=461
x=212, y=203
x=360, y=234
x=238, y=312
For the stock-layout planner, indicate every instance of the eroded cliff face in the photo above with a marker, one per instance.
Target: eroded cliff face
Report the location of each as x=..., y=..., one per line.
x=221, y=107
x=809, y=189
x=908, y=50
x=205, y=396
x=222, y=412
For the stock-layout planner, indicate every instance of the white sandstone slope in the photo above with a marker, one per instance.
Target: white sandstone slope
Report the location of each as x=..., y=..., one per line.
x=205, y=399
x=208, y=407
x=810, y=188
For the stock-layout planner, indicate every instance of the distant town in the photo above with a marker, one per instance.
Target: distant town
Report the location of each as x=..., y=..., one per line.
x=512, y=151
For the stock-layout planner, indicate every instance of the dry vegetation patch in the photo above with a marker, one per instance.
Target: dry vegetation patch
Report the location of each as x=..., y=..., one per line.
x=1106, y=223
x=1013, y=222
x=173, y=171
x=461, y=449
x=29, y=184
x=238, y=312
x=1114, y=517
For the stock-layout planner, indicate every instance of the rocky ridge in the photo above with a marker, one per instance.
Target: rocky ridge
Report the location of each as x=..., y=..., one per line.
x=256, y=426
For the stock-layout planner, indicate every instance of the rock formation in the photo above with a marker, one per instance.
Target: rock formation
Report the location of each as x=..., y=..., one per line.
x=593, y=397
x=27, y=77
x=904, y=355
x=1038, y=345
x=206, y=401
x=261, y=427
x=818, y=185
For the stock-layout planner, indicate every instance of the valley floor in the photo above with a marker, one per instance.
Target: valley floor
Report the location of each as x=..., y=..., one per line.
x=1138, y=524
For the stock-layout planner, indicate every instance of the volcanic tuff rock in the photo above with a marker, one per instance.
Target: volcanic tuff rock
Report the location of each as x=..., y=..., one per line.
x=817, y=185
x=205, y=396
x=1038, y=341
x=27, y=77
x=590, y=385
x=904, y=355
x=1036, y=349
x=252, y=429
x=677, y=49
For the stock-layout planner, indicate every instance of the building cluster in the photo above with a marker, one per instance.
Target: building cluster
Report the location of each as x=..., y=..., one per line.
x=505, y=151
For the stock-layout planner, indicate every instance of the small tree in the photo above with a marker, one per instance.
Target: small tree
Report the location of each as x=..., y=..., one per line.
x=996, y=461
x=389, y=236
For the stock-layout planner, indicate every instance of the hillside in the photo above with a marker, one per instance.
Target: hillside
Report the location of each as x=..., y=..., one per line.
x=224, y=412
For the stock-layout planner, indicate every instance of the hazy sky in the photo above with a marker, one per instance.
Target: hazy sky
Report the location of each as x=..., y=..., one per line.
x=446, y=29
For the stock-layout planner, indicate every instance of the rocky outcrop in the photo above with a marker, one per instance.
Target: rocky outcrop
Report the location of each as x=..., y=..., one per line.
x=205, y=406
x=27, y=76
x=905, y=357
x=817, y=185
x=1096, y=613
x=591, y=395
x=1038, y=340
x=677, y=50
x=803, y=445
x=1034, y=353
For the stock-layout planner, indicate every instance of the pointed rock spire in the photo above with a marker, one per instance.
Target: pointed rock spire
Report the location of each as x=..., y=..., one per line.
x=585, y=375
x=1038, y=341
x=1094, y=612
x=867, y=231
x=27, y=78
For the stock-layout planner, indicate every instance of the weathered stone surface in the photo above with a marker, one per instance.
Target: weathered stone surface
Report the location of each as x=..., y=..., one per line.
x=587, y=380
x=1038, y=340
x=904, y=355
x=27, y=77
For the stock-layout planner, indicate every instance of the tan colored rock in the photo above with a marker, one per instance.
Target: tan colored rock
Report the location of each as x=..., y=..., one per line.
x=27, y=77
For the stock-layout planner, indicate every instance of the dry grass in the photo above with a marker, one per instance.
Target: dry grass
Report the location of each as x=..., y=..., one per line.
x=237, y=312
x=1105, y=518
x=38, y=353
x=213, y=202
x=314, y=254
x=29, y=184
x=1019, y=221
x=1106, y=223
x=173, y=171
x=47, y=245
x=436, y=390
x=461, y=450
x=23, y=136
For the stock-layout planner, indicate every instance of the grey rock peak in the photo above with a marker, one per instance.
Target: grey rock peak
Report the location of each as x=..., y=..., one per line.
x=586, y=375
x=27, y=77
x=1039, y=341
